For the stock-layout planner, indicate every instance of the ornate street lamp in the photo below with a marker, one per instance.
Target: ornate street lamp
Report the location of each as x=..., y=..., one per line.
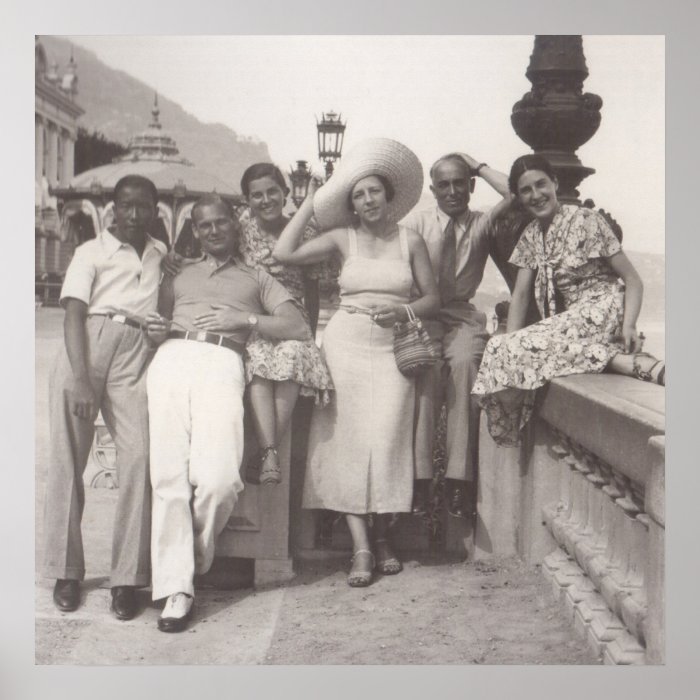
x=300, y=178
x=330, y=139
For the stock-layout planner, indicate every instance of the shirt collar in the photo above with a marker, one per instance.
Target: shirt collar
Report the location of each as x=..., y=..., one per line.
x=460, y=221
x=208, y=259
x=112, y=244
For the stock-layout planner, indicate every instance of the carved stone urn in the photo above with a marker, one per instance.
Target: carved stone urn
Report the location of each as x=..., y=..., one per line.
x=556, y=117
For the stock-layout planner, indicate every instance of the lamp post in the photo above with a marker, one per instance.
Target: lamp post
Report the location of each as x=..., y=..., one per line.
x=330, y=139
x=300, y=178
x=556, y=117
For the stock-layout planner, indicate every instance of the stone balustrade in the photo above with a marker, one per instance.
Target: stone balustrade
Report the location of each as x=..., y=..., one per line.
x=584, y=498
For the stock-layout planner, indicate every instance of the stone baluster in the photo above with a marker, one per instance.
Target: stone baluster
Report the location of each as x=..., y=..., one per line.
x=594, y=543
x=599, y=565
x=562, y=522
x=622, y=587
x=565, y=522
x=581, y=533
x=577, y=530
x=552, y=512
x=621, y=577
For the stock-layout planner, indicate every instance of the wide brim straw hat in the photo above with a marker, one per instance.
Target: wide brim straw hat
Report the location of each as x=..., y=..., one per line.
x=377, y=156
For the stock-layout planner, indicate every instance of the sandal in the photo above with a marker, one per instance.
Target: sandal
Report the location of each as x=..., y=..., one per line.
x=389, y=564
x=362, y=566
x=646, y=375
x=270, y=475
x=259, y=471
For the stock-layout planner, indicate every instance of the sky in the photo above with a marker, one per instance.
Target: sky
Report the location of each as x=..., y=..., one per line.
x=434, y=93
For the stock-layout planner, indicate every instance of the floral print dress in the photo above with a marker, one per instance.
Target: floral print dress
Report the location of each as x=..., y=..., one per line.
x=581, y=300
x=280, y=360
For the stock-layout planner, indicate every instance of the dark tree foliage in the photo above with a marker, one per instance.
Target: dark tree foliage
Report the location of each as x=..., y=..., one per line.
x=93, y=149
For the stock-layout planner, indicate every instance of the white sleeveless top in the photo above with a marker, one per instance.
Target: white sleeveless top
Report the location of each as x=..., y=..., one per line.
x=367, y=282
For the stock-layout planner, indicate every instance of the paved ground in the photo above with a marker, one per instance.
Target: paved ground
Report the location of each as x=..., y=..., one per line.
x=438, y=611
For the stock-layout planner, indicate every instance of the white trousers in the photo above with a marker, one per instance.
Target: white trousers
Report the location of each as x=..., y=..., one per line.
x=195, y=406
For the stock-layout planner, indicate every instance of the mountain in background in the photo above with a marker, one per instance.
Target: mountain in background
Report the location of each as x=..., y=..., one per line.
x=120, y=106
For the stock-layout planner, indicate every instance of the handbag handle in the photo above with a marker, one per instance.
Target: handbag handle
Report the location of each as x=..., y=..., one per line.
x=409, y=312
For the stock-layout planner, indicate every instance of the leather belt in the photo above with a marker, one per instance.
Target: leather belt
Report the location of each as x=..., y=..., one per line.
x=355, y=309
x=123, y=319
x=206, y=337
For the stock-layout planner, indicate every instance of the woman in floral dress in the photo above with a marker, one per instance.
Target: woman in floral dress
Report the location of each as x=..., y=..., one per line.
x=277, y=372
x=587, y=292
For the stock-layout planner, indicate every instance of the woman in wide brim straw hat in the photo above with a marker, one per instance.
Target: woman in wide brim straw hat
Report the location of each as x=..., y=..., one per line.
x=360, y=456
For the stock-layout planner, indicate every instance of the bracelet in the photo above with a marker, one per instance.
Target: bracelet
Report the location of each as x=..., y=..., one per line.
x=478, y=168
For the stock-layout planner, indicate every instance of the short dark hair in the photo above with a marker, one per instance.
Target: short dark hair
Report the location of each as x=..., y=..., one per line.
x=138, y=181
x=531, y=161
x=457, y=158
x=388, y=189
x=260, y=170
x=212, y=199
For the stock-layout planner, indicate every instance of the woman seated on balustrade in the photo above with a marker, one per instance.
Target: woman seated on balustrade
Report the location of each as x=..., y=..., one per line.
x=277, y=371
x=588, y=294
x=360, y=456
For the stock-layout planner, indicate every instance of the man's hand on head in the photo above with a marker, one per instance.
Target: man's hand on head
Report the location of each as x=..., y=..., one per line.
x=471, y=162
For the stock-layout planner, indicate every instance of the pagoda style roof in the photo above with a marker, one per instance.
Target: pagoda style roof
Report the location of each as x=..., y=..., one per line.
x=167, y=176
x=154, y=154
x=154, y=143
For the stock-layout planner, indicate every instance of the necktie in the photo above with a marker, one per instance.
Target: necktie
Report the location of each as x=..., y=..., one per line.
x=448, y=265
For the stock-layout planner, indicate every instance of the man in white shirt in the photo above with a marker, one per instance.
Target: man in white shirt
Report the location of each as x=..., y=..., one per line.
x=458, y=242
x=110, y=285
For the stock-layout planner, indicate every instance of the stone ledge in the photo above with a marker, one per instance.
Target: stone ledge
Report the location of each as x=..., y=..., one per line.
x=612, y=416
x=655, y=491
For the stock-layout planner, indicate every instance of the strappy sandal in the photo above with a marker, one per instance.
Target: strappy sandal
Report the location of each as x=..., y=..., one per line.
x=259, y=471
x=647, y=375
x=362, y=566
x=270, y=475
x=389, y=565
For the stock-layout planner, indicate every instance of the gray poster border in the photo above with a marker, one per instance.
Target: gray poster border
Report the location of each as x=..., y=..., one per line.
x=675, y=19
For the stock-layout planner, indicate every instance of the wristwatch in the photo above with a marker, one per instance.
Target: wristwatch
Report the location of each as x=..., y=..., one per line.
x=252, y=321
x=478, y=168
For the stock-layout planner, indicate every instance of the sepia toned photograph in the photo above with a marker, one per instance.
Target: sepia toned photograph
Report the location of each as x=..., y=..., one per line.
x=350, y=350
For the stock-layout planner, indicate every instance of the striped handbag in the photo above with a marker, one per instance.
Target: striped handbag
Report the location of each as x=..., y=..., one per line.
x=414, y=350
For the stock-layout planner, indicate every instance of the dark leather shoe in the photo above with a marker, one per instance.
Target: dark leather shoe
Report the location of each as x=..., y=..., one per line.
x=458, y=500
x=421, y=497
x=124, y=602
x=66, y=594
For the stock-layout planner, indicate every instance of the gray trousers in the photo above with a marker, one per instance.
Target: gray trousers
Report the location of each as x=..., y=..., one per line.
x=450, y=381
x=117, y=357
